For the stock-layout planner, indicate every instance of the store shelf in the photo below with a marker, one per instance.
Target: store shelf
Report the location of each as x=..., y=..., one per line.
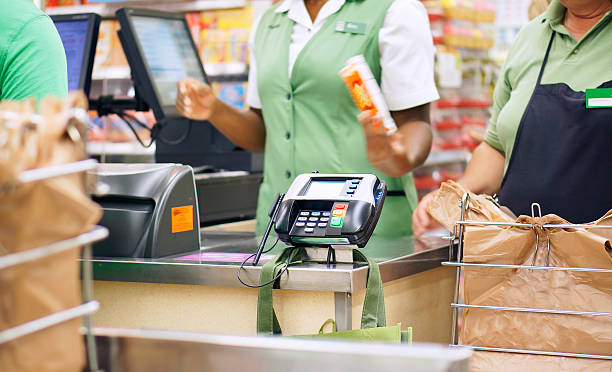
x=447, y=157
x=108, y=9
x=225, y=68
x=118, y=148
x=111, y=73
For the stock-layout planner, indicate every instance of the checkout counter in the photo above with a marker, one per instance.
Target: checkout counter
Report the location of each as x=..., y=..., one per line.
x=199, y=291
x=194, y=285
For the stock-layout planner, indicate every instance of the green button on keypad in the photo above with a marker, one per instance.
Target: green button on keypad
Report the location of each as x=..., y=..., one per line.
x=336, y=221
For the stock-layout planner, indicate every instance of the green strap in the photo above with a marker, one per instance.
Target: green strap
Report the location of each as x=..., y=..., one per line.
x=267, y=322
x=328, y=321
x=372, y=316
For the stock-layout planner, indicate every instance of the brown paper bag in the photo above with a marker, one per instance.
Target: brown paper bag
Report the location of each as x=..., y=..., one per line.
x=567, y=290
x=37, y=214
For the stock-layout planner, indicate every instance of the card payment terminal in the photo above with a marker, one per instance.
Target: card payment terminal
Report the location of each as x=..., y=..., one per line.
x=330, y=209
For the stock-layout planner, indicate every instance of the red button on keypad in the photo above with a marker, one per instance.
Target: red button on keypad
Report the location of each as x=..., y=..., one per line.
x=340, y=206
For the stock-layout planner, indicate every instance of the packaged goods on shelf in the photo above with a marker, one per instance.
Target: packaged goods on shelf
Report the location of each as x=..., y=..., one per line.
x=112, y=129
x=222, y=35
x=232, y=93
x=470, y=10
x=464, y=33
x=109, y=53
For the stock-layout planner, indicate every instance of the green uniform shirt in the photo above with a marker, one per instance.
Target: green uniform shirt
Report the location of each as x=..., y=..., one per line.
x=581, y=65
x=32, y=58
x=311, y=121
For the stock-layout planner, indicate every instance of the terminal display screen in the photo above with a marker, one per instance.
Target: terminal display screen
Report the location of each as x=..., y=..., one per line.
x=324, y=189
x=169, y=54
x=74, y=39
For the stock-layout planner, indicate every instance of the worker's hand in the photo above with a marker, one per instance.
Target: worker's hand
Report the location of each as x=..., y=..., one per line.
x=195, y=99
x=385, y=151
x=421, y=219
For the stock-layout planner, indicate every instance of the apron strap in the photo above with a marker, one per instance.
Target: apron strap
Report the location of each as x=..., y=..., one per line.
x=552, y=37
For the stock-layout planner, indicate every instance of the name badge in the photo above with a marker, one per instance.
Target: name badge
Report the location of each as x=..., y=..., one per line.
x=351, y=27
x=599, y=98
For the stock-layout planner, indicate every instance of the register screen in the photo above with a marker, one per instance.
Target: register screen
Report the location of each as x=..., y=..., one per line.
x=324, y=189
x=73, y=35
x=169, y=54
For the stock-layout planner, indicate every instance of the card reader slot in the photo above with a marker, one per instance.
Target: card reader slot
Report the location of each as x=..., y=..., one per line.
x=126, y=219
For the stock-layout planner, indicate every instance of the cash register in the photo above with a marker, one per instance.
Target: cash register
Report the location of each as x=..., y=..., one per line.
x=160, y=51
x=151, y=210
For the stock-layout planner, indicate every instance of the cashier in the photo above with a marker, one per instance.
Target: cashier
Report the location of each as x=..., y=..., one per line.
x=32, y=58
x=301, y=112
x=544, y=144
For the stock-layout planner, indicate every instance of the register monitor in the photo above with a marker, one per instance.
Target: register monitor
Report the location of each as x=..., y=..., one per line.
x=160, y=51
x=79, y=35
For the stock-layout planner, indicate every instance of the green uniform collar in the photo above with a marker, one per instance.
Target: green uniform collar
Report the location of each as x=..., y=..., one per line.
x=286, y=5
x=556, y=12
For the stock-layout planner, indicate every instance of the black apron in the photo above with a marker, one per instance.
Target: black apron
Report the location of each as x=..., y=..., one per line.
x=562, y=155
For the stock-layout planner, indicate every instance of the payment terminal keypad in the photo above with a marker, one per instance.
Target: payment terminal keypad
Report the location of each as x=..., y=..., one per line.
x=318, y=222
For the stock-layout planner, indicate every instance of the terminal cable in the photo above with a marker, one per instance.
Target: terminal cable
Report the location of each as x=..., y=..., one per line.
x=280, y=273
x=155, y=130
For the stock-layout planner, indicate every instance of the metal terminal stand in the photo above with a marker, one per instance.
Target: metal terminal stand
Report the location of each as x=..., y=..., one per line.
x=332, y=255
x=458, y=234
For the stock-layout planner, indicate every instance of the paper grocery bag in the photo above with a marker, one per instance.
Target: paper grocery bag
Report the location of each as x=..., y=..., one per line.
x=485, y=361
x=37, y=214
x=33, y=290
x=547, y=289
x=446, y=210
x=47, y=211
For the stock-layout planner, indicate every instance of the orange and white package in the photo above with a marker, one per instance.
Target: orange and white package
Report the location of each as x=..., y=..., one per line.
x=365, y=91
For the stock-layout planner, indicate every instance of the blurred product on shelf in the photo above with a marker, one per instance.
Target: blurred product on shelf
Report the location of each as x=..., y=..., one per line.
x=52, y=3
x=464, y=33
x=537, y=7
x=222, y=35
x=462, y=23
x=232, y=93
x=430, y=178
x=113, y=129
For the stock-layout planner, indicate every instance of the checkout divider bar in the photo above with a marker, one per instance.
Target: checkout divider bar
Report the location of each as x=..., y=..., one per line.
x=13, y=259
x=39, y=324
x=52, y=171
x=536, y=352
x=532, y=310
x=528, y=267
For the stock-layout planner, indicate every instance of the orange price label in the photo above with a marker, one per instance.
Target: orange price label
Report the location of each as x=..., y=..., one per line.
x=182, y=219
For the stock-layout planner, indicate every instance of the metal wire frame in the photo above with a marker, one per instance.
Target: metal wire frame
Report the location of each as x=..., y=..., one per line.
x=84, y=240
x=458, y=236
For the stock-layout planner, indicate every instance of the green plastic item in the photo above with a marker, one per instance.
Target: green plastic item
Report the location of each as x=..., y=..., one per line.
x=373, y=318
x=391, y=334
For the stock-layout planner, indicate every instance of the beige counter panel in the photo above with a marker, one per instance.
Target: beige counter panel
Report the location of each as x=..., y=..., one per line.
x=225, y=310
x=421, y=301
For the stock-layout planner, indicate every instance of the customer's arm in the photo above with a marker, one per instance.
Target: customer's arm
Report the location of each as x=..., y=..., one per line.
x=245, y=128
x=483, y=175
x=404, y=150
x=485, y=171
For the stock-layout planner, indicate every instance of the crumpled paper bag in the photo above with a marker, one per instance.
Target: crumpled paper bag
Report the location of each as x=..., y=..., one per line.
x=37, y=214
x=547, y=289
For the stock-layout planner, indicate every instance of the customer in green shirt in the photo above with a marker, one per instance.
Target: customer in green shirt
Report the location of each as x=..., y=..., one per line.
x=543, y=144
x=32, y=58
